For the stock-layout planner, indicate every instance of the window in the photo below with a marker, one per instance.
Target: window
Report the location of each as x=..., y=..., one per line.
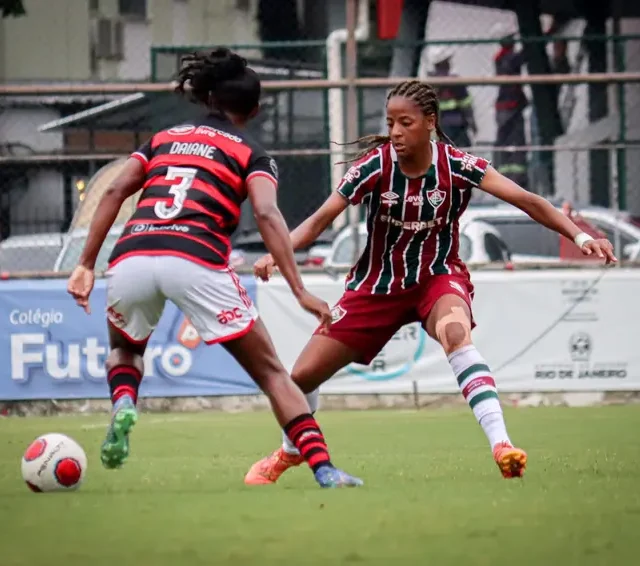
x=133, y=8
x=523, y=236
x=495, y=248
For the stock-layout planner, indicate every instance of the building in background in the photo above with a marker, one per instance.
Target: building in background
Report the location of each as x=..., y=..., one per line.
x=120, y=40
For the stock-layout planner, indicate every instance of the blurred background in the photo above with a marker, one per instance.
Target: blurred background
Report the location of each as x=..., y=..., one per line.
x=84, y=82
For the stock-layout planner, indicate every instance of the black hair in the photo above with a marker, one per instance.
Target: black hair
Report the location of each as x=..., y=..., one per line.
x=424, y=95
x=220, y=80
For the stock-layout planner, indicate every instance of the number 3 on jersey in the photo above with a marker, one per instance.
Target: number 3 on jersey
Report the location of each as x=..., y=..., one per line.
x=186, y=175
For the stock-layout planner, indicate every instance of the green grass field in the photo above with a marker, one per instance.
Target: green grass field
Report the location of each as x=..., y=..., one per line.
x=432, y=496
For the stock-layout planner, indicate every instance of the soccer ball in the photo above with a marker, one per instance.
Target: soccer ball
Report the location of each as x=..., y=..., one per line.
x=54, y=462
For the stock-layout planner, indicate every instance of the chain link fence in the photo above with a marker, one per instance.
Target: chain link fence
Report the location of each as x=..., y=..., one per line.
x=568, y=140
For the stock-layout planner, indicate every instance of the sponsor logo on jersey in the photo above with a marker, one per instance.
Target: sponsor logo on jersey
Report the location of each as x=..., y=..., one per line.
x=389, y=198
x=412, y=225
x=181, y=130
x=213, y=132
x=436, y=197
x=352, y=174
x=415, y=200
x=227, y=316
x=468, y=162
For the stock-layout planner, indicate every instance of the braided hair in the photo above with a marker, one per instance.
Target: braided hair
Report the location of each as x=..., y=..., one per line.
x=220, y=80
x=422, y=94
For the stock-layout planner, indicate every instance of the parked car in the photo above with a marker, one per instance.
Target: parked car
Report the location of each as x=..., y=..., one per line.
x=527, y=240
x=247, y=248
x=74, y=244
x=616, y=225
x=32, y=252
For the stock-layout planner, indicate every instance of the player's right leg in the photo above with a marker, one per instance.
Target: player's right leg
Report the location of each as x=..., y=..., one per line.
x=321, y=358
x=351, y=338
x=256, y=354
x=134, y=306
x=222, y=312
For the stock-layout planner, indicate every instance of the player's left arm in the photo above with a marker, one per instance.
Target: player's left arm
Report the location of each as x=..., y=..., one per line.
x=543, y=212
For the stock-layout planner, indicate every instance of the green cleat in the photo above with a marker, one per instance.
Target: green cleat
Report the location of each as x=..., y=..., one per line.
x=115, y=448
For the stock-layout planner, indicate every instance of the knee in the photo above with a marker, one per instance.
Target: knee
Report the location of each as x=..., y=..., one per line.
x=303, y=378
x=123, y=357
x=454, y=336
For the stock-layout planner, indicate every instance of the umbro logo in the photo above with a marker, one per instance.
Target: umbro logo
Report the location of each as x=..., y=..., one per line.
x=455, y=285
x=389, y=198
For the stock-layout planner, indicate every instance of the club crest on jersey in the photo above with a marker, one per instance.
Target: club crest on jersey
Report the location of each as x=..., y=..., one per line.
x=337, y=313
x=389, y=198
x=181, y=130
x=436, y=197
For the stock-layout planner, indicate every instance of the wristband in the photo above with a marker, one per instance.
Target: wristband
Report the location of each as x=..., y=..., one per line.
x=581, y=239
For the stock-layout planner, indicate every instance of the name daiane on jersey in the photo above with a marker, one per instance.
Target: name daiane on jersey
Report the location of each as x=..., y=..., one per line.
x=411, y=225
x=194, y=148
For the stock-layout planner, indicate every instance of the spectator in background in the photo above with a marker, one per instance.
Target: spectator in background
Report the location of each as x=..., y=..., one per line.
x=456, y=104
x=510, y=106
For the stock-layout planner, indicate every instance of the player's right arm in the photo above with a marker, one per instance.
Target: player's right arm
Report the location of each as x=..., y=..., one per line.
x=127, y=183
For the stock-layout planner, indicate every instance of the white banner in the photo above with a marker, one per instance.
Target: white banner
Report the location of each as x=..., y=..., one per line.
x=521, y=333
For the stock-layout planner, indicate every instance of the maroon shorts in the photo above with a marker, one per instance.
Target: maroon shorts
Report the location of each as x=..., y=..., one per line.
x=366, y=322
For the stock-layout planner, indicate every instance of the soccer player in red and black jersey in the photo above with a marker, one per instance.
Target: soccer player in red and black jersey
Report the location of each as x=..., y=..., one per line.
x=414, y=190
x=176, y=246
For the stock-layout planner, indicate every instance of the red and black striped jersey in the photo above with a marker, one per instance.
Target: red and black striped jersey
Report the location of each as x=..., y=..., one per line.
x=412, y=223
x=196, y=181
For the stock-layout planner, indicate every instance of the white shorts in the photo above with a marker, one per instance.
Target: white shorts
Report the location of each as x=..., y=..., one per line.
x=214, y=301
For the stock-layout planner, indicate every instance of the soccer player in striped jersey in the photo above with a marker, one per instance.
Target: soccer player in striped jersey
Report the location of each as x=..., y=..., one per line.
x=194, y=177
x=414, y=190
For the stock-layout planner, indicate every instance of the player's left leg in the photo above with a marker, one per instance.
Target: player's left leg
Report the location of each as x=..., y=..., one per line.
x=134, y=306
x=449, y=321
x=125, y=368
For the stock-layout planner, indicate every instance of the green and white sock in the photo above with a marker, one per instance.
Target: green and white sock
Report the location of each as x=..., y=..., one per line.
x=479, y=390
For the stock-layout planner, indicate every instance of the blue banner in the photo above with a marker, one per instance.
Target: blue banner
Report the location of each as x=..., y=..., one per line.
x=53, y=350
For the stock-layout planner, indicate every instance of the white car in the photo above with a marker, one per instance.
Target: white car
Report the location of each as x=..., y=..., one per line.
x=74, y=244
x=32, y=252
x=480, y=243
x=620, y=230
x=530, y=241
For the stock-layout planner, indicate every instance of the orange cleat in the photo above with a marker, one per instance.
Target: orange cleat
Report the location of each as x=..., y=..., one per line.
x=511, y=461
x=269, y=469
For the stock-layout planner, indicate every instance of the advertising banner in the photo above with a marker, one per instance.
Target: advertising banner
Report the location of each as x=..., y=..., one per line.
x=538, y=330
x=51, y=349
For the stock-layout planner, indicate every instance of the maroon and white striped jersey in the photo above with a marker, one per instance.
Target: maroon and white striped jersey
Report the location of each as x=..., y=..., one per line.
x=412, y=222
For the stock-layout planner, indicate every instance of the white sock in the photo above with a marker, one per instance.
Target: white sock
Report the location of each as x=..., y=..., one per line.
x=313, y=399
x=479, y=390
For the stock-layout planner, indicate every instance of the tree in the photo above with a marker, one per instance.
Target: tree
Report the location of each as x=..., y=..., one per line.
x=13, y=8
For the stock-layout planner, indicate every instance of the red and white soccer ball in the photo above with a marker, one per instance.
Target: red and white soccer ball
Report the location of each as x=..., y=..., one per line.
x=54, y=462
